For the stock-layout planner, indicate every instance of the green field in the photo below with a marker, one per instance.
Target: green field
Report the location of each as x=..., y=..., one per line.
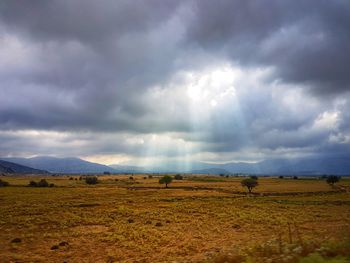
x=201, y=219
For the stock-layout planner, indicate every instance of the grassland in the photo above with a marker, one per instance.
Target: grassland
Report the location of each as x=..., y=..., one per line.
x=196, y=220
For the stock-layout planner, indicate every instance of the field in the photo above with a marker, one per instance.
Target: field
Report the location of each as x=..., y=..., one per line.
x=198, y=219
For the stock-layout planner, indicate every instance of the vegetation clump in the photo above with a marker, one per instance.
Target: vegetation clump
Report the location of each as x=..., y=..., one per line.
x=178, y=177
x=41, y=183
x=3, y=183
x=250, y=183
x=166, y=179
x=16, y=240
x=332, y=179
x=91, y=180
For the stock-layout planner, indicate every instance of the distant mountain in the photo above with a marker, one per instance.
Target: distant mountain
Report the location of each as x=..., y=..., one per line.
x=297, y=166
x=211, y=171
x=10, y=167
x=62, y=165
x=128, y=168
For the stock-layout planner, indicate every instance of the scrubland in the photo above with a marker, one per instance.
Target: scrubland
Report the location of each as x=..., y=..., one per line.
x=198, y=219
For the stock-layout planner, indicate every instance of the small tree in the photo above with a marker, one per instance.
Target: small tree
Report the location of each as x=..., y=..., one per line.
x=332, y=179
x=166, y=179
x=250, y=183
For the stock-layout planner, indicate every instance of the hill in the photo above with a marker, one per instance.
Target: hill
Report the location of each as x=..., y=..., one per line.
x=10, y=167
x=63, y=165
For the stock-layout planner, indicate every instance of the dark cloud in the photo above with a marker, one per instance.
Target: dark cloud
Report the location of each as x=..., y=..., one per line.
x=305, y=42
x=100, y=77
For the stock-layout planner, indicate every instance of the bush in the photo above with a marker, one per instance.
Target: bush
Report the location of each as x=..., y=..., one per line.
x=3, y=183
x=281, y=177
x=41, y=183
x=91, y=180
x=295, y=177
x=332, y=179
x=33, y=184
x=254, y=177
x=178, y=177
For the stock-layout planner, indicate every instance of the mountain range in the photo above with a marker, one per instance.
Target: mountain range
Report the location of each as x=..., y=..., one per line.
x=297, y=166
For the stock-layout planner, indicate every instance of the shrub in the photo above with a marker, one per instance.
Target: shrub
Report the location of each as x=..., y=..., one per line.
x=41, y=183
x=33, y=184
x=281, y=177
x=91, y=180
x=332, y=179
x=254, y=177
x=295, y=177
x=3, y=183
x=131, y=178
x=166, y=179
x=178, y=177
x=250, y=183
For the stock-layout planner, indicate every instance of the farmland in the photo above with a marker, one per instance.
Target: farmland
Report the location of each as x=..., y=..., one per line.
x=198, y=219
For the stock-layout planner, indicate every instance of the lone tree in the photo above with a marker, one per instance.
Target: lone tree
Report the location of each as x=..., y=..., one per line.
x=250, y=183
x=166, y=179
x=332, y=179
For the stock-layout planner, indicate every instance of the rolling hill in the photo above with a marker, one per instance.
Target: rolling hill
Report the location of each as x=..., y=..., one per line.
x=10, y=167
x=62, y=165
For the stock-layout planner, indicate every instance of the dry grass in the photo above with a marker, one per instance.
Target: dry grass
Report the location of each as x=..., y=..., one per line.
x=139, y=221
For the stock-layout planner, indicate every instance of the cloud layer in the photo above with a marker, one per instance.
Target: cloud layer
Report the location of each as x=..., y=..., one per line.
x=174, y=80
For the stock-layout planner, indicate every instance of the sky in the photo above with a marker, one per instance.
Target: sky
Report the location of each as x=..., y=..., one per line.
x=159, y=81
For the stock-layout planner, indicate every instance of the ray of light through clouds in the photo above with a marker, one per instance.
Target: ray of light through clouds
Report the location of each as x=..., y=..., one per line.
x=174, y=82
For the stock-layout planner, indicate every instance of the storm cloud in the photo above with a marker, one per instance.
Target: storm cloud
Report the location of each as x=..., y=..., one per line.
x=134, y=81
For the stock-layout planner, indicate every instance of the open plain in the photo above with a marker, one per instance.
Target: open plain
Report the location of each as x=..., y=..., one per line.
x=198, y=219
